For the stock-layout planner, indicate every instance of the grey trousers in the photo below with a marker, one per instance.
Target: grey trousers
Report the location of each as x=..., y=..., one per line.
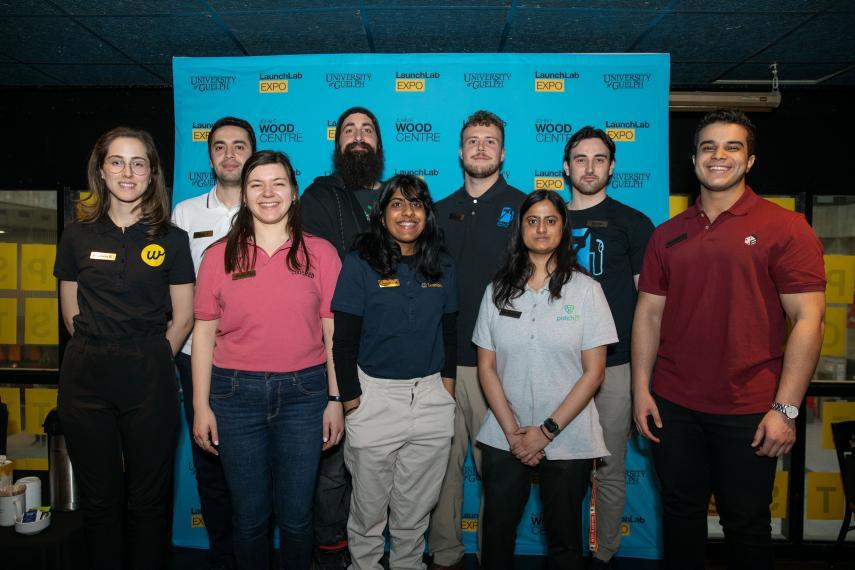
x=396, y=451
x=445, y=537
x=614, y=405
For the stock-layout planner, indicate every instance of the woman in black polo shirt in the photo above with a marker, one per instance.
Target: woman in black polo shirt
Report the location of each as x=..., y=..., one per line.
x=126, y=290
x=394, y=353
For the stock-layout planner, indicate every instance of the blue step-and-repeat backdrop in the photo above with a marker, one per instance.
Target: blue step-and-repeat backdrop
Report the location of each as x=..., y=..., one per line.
x=421, y=102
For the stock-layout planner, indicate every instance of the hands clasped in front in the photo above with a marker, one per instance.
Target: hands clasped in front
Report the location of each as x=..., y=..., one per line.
x=527, y=444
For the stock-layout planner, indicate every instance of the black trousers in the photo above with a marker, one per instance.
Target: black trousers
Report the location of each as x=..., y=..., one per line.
x=118, y=406
x=507, y=485
x=700, y=454
x=214, y=498
x=332, y=499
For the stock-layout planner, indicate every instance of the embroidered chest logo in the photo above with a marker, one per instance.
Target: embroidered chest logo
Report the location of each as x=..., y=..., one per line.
x=570, y=314
x=506, y=216
x=153, y=255
x=304, y=273
x=590, y=251
x=751, y=240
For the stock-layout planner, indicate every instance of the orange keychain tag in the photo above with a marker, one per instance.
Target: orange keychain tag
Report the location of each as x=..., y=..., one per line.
x=593, y=542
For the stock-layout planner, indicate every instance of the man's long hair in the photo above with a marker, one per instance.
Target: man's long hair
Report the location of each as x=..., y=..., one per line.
x=358, y=169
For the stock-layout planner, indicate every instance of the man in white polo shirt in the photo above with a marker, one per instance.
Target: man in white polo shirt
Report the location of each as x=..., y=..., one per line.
x=206, y=219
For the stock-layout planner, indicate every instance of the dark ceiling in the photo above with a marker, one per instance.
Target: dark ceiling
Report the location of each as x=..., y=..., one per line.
x=712, y=43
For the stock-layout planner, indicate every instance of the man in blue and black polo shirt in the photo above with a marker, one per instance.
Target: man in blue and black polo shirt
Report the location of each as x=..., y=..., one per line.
x=476, y=220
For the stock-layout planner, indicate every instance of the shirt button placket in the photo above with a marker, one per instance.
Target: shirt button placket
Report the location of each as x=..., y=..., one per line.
x=533, y=307
x=123, y=252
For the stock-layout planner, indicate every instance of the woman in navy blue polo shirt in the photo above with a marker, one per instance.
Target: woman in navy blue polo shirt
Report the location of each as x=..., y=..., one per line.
x=394, y=352
x=126, y=291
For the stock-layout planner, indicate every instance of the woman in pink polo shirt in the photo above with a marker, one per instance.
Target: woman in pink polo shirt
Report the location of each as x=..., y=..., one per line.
x=264, y=390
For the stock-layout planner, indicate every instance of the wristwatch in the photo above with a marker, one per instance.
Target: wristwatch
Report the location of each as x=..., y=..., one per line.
x=551, y=426
x=790, y=411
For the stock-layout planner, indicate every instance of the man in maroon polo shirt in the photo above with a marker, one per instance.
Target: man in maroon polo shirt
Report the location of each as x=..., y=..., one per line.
x=717, y=286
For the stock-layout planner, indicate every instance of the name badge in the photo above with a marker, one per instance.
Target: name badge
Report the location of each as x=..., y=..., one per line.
x=598, y=223
x=431, y=285
x=677, y=240
x=102, y=256
x=510, y=313
x=457, y=217
x=243, y=275
x=388, y=283
x=206, y=233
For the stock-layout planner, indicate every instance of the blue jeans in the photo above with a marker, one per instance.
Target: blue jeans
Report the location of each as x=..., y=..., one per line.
x=270, y=428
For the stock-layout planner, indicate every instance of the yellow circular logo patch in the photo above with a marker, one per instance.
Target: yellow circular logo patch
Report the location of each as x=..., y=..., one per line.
x=153, y=255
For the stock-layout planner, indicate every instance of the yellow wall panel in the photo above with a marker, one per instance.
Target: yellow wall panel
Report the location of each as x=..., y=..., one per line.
x=41, y=321
x=840, y=274
x=37, y=403
x=824, y=496
x=834, y=341
x=8, y=321
x=833, y=412
x=11, y=396
x=8, y=265
x=677, y=204
x=786, y=202
x=37, y=267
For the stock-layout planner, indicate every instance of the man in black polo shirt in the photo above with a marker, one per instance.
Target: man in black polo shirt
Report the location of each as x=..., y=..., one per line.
x=610, y=239
x=336, y=208
x=476, y=220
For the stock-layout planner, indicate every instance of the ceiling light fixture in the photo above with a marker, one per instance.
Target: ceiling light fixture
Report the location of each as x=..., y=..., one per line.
x=696, y=101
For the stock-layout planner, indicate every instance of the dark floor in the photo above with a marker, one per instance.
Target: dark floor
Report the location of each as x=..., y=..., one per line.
x=190, y=559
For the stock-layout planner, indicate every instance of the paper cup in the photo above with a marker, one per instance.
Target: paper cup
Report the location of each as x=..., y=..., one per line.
x=33, y=495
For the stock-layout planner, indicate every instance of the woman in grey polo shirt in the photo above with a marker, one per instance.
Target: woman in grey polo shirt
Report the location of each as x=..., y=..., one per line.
x=541, y=333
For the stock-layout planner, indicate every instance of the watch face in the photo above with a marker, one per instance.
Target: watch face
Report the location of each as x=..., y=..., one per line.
x=792, y=412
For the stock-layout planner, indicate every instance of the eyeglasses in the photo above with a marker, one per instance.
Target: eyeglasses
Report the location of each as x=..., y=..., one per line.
x=116, y=165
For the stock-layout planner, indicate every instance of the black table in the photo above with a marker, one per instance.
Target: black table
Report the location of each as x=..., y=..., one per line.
x=61, y=546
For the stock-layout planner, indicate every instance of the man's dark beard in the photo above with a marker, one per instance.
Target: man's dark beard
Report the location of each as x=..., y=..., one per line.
x=358, y=169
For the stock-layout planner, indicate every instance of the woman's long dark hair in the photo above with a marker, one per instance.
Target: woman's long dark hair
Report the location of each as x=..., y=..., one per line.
x=509, y=283
x=379, y=248
x=154, y=205
x=237, y=255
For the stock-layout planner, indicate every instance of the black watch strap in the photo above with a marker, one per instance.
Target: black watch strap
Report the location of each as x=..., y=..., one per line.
x=551, y=426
